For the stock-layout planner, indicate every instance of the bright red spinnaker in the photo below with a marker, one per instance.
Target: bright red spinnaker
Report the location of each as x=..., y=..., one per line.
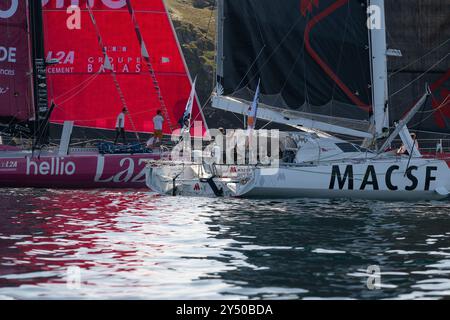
x=85, y=94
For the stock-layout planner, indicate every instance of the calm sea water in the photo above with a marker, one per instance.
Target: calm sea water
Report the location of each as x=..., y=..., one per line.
x=135, y=245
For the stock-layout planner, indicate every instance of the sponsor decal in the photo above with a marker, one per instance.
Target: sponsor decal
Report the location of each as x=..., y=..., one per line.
x=126, y=172
x=53, y=167
x=371, y=181
x=307, y=6
x=4, y=90
x=59, y=4
x=8, y=165
x=7, y=72
x=8, y=54
x=120, y=63
x=66, y=61
x=197, y=187
x=9, y=12
x=83, y=170
x=62, y=56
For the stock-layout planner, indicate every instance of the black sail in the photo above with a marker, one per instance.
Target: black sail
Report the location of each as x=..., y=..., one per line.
x=421, y=30
x=311, y=55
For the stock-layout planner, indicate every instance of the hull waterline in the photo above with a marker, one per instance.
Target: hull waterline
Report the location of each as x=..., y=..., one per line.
x=389, y=180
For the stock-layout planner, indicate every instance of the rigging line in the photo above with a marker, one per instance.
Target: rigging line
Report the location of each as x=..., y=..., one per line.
x=205, y=37
x=280, y=96
x=275, y=50
x=81, y=87
x=210, y=20
x=74, y=95
x=414, y=62
x=364, y=64
x=102, y=118
x=270, y=56
x=442, y=105
x=420, y=76
x=266, y=125
x=301, y=54
x=259, y=28
x=306, y=88
x=341, y=50
x=145, y=55
x=46, y=29
x=113, y=74
x=248, y=71
x=427, y=131
x=205, y=105
x=428, y=116
x=202, y=107
x=255, y=60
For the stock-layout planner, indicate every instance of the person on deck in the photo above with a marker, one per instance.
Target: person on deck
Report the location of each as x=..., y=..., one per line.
x=120, y=126
x=404, y=150
x=158, y=122
x=183, y=122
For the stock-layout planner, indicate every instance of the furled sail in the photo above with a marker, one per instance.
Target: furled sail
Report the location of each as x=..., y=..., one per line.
x=80, y=84
x=421, y=30
x=16, y=102
x=311, y=56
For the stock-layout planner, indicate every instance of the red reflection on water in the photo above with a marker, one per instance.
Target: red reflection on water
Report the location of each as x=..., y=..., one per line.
x=49, y=231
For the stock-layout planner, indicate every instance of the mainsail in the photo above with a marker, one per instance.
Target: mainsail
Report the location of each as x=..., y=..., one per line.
x=84, y=91
x=421, y=30
x=311, y=56
x=16, y=99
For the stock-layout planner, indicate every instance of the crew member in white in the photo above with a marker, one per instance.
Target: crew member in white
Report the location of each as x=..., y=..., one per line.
x=404, y=150
x=158, y=122
x=120, y=126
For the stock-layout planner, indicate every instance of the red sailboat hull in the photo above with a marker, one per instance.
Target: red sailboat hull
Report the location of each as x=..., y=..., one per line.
x=85, y=93
x=88, y=170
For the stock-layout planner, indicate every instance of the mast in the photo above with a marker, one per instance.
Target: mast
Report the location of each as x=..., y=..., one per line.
x=377, y=27
x=219, y=44
x=39, y=72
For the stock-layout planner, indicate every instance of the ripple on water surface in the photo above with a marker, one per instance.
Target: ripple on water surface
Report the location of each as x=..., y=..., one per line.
x=127, y=244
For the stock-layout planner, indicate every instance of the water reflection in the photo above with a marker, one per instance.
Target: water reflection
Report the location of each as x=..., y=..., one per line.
x=138, y=245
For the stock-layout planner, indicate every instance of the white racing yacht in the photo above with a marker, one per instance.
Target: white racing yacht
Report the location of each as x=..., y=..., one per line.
x=313, y=161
